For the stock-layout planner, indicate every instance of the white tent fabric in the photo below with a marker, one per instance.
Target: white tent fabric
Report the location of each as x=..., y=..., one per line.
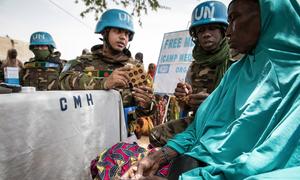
x=55, y=134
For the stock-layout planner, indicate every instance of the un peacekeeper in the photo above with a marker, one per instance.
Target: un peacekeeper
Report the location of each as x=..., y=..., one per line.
x=105, y=67
x=42, y=71
x=1, y=73
x=211, y=60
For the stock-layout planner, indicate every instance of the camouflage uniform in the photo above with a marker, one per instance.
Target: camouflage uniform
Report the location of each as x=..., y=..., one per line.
x=90, y=71
x=42, y=74
x=207, y=69
x=202, y=79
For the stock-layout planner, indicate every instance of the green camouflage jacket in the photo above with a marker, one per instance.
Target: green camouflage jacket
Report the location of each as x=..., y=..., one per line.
x=42, y=74
x=202, y=78
x=90, y=71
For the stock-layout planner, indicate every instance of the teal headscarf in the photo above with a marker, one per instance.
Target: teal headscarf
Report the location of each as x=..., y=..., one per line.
x=250, y=124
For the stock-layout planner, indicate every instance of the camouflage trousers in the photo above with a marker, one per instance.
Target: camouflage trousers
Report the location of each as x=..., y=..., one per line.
x=160, y=134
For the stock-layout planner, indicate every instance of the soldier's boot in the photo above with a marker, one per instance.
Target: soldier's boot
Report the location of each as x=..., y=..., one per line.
x=160, y=134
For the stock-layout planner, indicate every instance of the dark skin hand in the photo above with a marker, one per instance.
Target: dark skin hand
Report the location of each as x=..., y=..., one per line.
x=153, y=178
x=183, y=90
x=146, y=168
x=144, y=178
x=118, y=79
x=143, y=95
x=142, y=169
x=196, y=99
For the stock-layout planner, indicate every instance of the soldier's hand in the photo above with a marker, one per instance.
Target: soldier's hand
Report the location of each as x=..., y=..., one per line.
x=183, y=89
x=118, y=79
x=143, y=96
x=196, y=99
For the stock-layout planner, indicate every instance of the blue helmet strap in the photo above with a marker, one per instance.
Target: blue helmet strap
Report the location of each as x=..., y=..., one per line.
x=106, y=42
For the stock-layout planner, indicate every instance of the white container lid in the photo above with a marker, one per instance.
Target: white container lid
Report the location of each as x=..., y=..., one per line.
x=28, y=89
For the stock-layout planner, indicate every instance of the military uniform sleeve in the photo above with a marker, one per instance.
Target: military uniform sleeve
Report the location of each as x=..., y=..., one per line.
x=72, y=77
x=188, y=76
x=188, y=79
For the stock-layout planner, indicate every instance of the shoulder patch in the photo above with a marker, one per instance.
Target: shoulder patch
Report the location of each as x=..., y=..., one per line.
x=66, y=67
x=69, y=64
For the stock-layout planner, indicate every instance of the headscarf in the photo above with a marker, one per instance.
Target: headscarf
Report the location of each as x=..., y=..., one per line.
x=250, y=124
x=152, y=71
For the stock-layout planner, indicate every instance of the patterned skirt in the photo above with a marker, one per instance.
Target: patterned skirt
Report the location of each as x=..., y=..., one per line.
x=115, y=161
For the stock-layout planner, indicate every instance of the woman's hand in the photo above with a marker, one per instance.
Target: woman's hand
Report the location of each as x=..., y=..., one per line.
x=148, y=166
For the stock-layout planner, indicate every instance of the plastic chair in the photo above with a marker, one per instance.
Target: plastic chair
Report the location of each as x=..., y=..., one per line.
x=127, y=111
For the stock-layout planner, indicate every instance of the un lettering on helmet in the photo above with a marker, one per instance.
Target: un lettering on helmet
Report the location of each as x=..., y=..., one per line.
x=41, y=38
x=207, y=13
x=204, y=12
x=116, y=18
x=125, y=17
x=38, y=36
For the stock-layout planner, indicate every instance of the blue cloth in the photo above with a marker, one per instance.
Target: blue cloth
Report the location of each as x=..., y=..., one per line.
x=251, y=123
x=283, y=174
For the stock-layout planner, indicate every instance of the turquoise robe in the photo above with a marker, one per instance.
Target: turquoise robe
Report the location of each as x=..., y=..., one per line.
x=250, y=124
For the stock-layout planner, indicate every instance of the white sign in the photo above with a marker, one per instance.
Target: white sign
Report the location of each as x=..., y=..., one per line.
x=11, y=75
x=173, y=62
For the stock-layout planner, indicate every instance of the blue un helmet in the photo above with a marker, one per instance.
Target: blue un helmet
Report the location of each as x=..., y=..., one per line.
x=115, y=18
x=207, y=13
x=41, y=38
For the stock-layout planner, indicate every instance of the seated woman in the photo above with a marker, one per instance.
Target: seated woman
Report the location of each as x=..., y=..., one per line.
x=250, y=124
